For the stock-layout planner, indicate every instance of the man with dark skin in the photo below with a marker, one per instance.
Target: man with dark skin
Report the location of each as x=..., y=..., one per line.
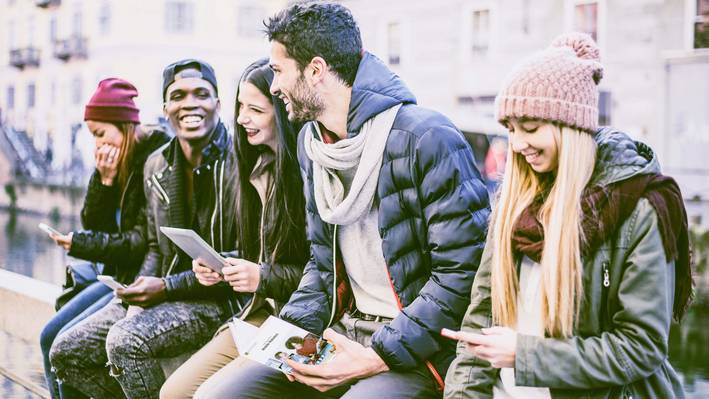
x=168, y=313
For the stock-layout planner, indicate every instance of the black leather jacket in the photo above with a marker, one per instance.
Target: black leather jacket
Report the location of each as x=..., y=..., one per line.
x=119, y=244
x=164, y=189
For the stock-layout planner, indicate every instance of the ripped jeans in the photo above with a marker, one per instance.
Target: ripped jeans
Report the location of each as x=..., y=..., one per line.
x=109, y=356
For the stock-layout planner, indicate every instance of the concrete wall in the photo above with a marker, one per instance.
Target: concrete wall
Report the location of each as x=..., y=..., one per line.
x=26, y=305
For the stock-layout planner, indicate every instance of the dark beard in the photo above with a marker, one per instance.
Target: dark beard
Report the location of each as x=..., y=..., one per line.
x=305, y=104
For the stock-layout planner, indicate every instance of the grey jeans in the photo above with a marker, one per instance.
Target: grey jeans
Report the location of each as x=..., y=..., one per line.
x=249, y=379
x=131, y=348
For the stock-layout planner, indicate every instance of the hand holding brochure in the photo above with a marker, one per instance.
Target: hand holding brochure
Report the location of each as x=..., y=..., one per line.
x=195, y=247
x=277, y=340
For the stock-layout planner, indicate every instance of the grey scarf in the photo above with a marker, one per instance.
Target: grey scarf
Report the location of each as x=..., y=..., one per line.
x=366, y=151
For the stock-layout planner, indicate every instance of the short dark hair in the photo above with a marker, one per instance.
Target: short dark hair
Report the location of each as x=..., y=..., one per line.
x=315, y=29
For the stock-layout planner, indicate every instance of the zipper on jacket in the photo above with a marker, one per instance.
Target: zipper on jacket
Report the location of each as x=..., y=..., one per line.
x=221, y=204
x=218, y=192
x=160, y=191
x=172, y=264
x=123, y=196
x=334, y=275
x=261, y=254
x=428, y=363
x=605, y=314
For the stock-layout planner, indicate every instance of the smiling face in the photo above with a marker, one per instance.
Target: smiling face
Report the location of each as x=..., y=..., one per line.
x=105, y=133
x=192, y=108
x=256, y=115
x=535, y=140
x=302, y=102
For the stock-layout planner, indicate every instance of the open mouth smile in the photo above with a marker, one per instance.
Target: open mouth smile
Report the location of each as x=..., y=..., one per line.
x=191, y=120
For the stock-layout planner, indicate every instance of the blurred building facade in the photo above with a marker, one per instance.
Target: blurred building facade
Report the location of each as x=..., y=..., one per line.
x=54, y=53
x=454, y=55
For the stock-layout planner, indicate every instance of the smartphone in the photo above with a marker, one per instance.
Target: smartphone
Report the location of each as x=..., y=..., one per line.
x=449, y=333
x=110, y=281
x=45, y=227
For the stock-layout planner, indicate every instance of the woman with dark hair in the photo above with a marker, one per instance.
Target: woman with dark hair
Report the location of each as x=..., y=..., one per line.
x=270, y=211
x=113, y=234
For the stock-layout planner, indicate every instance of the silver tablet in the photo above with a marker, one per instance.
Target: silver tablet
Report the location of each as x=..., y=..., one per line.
x=195, y=247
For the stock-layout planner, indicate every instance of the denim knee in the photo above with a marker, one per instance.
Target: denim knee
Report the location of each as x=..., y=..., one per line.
x=121, y=343
x=62, y=356
x=46, y=337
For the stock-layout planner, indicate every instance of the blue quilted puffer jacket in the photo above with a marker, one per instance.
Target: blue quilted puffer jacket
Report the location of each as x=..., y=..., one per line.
x=433, y=215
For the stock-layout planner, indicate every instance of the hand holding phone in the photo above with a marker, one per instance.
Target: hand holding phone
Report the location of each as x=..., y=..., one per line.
x=472, y=339
x=49, y=230
x=110, y=281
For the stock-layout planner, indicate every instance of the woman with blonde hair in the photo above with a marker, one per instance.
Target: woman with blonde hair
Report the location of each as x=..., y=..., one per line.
x=587, y=259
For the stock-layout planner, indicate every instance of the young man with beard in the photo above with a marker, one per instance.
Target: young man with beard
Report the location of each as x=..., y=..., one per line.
x=165, y=312
x=396, y=215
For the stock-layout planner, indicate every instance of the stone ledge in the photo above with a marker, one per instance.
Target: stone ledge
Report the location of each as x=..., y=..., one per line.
x=26, y=305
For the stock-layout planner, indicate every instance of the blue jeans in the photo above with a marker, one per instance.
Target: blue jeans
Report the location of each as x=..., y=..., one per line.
x=85, y=303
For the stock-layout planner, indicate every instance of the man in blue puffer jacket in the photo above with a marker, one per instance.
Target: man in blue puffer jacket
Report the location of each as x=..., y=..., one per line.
x=396, y=212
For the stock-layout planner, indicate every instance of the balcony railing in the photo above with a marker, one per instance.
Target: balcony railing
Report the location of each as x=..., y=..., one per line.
x=24, y=57
x=46, y=3
x=73, y=47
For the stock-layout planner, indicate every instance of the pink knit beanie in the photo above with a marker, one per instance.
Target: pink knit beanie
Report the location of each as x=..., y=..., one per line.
x=113, y=102
x=558, y=84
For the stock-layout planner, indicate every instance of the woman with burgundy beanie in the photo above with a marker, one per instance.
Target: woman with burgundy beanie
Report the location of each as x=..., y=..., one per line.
x=113, y=208
x=587, y=258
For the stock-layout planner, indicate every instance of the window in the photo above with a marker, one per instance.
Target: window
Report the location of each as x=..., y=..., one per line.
x=701, y=24
x=77, y=24
x=604, y=108
x=394, y=43
x=586, y=18
x=76, y=90
x=10, y=97
x=31, y=91
x=104, y=18
x=11, y=34
x=480, y=32
x=53, y=29
x=178, y=17
x=30, y=31
x=250, y=20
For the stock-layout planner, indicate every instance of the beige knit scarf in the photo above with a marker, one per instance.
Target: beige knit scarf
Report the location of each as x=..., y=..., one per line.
x=364, y=151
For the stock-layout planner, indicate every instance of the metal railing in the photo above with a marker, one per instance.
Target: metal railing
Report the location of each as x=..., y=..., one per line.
x=23, y=57
x=72, y=47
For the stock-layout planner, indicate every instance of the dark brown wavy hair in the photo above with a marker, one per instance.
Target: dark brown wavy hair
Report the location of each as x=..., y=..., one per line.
x=284, y=220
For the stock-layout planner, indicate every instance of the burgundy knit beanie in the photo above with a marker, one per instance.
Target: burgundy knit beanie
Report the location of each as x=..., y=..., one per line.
x=559, y=84
x=113, y=102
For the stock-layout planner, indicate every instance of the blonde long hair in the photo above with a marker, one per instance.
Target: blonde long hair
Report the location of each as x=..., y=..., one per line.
x=560, y=216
